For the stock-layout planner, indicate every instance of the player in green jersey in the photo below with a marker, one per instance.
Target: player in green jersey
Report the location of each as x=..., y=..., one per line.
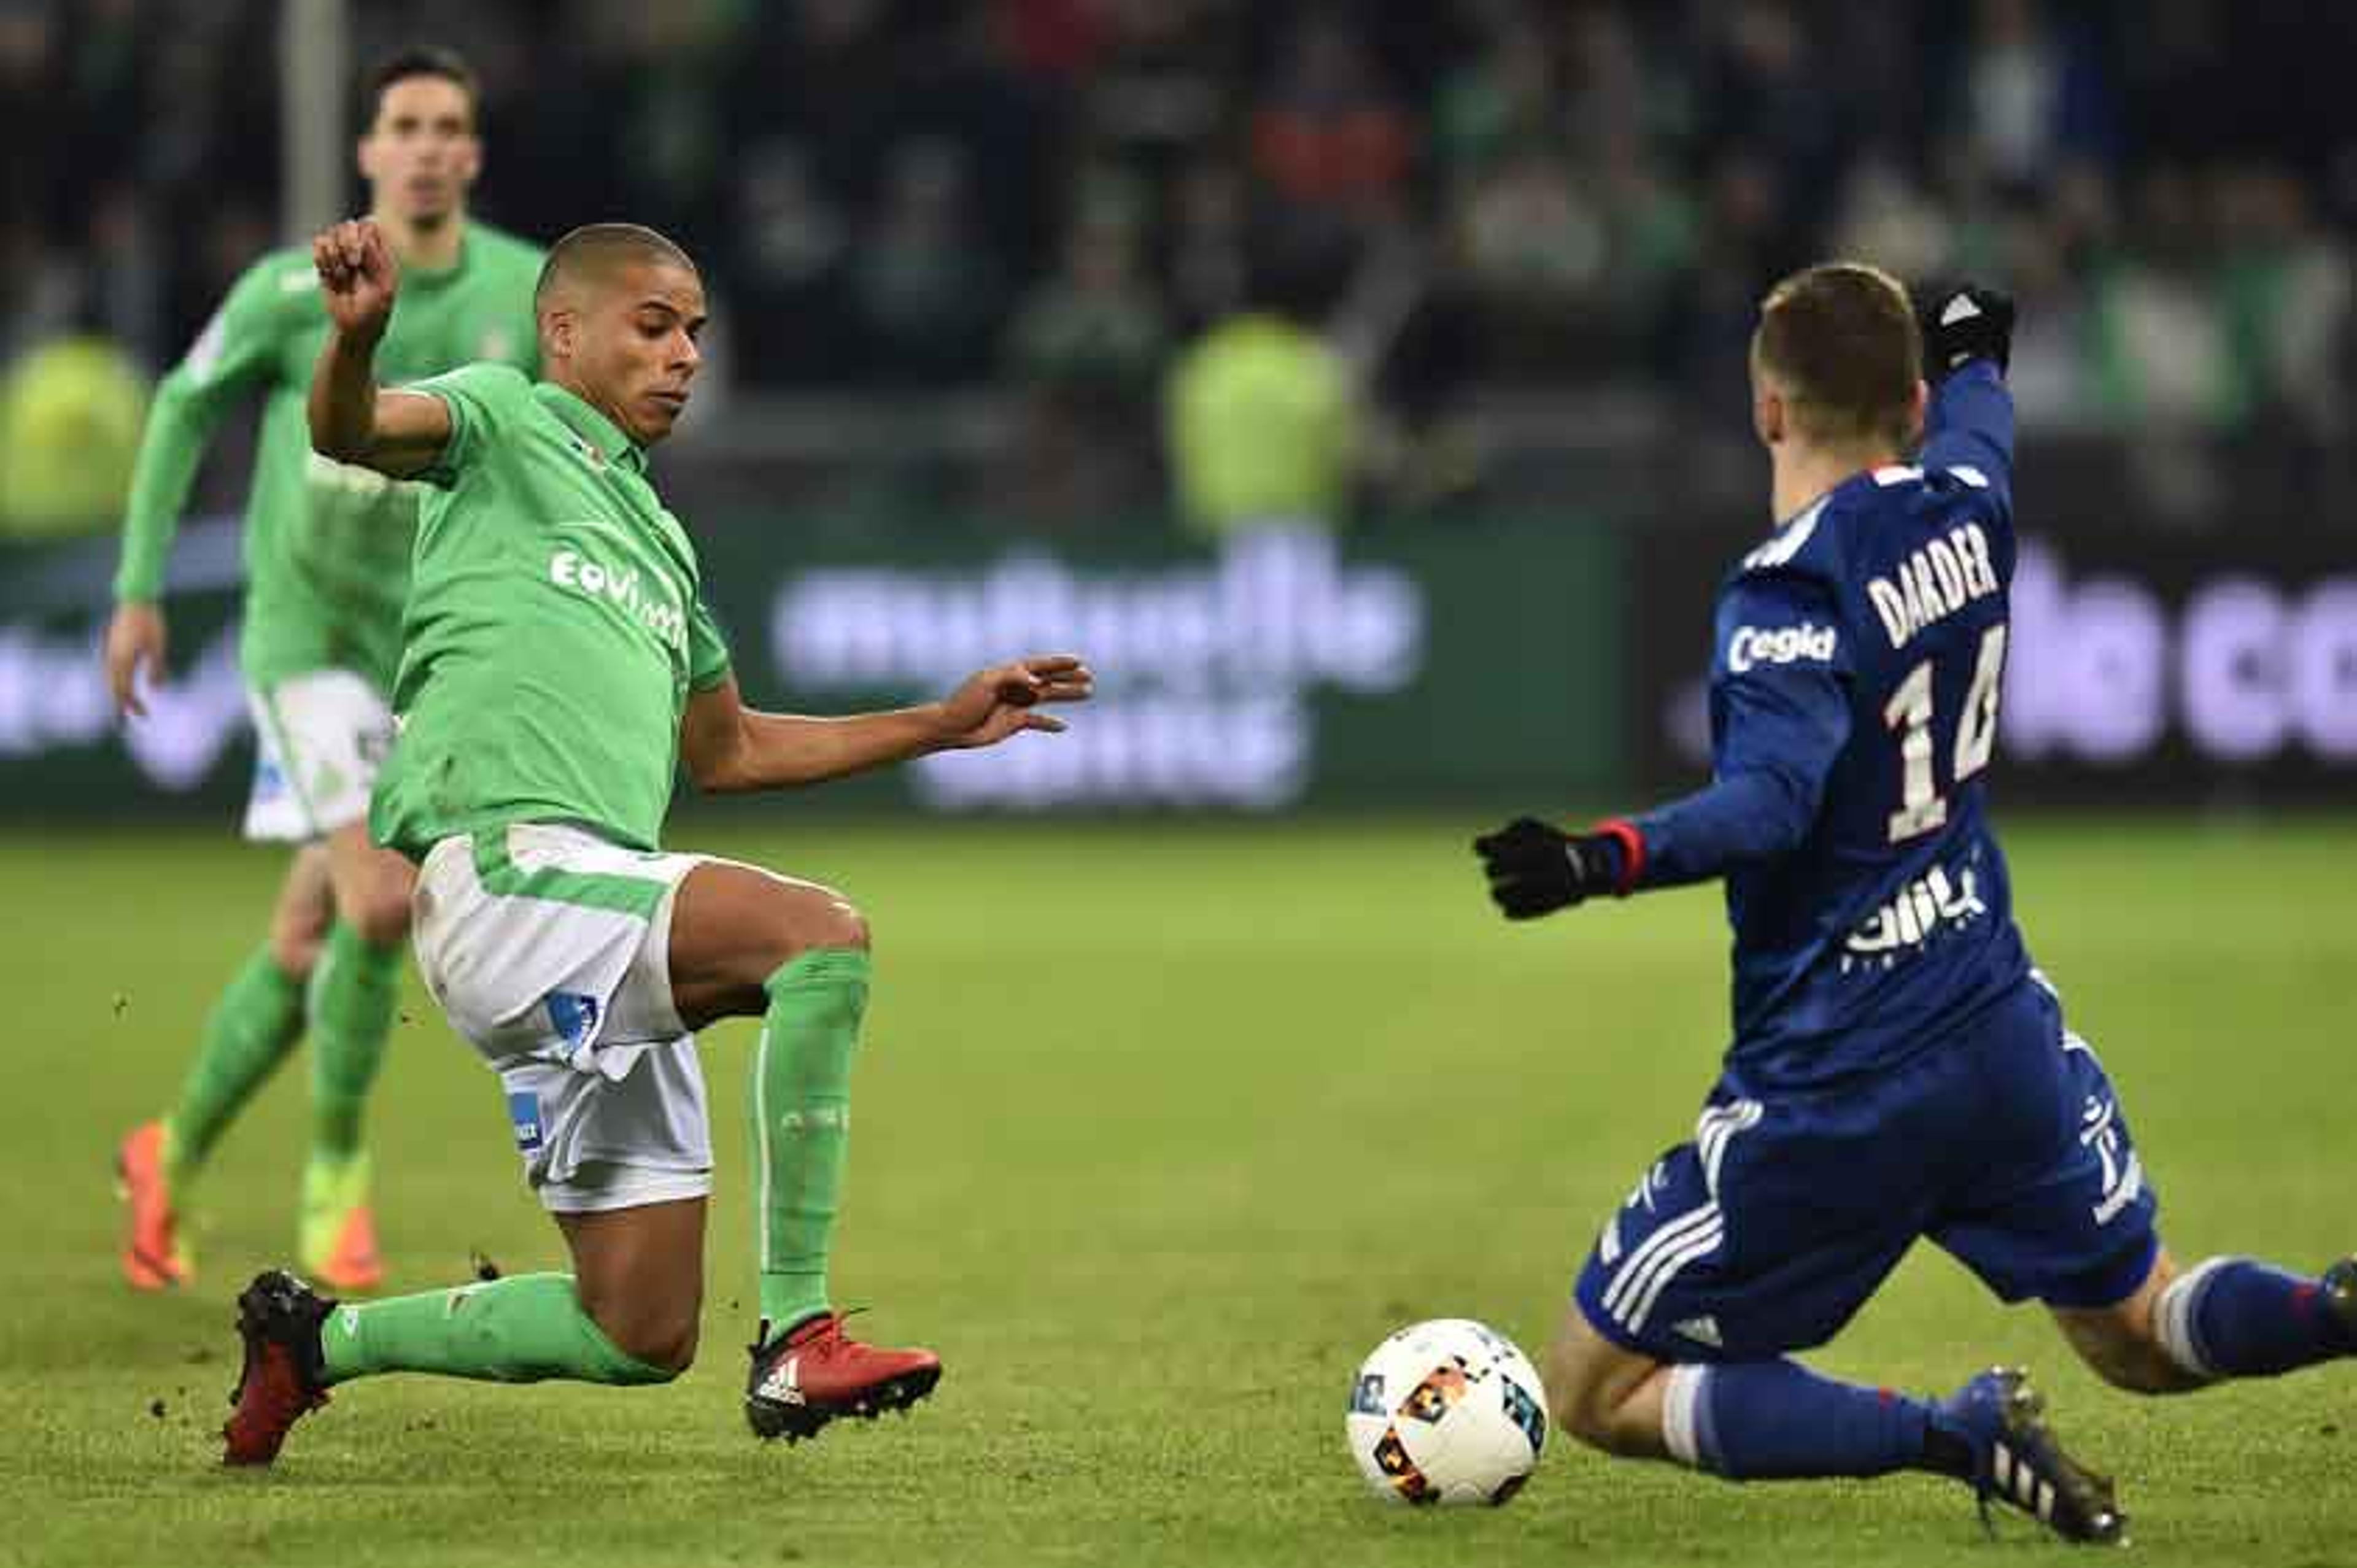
x=559, y=666
x=327, y=563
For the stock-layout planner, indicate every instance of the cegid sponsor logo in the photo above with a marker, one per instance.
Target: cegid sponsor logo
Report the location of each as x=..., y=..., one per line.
x=1206, y=670
x=1752, y=646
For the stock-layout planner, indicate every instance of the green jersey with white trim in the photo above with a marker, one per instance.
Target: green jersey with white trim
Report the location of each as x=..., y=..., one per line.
x=326, y=545
x=554, y=629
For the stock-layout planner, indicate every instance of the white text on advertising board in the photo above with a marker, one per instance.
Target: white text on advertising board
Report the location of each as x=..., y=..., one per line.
x=1205, y=671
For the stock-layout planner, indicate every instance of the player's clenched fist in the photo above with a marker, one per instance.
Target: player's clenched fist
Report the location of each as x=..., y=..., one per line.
x=1962, y=322
x=1535, y=869
x=358, y=275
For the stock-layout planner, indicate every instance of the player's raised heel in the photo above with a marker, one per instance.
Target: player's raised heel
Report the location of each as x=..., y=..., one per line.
x=2019, y=1464
x=283, y=1377
x=814, y=1373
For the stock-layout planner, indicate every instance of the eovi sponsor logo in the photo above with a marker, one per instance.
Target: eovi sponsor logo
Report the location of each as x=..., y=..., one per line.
x=1205, y=672
x=651, y=605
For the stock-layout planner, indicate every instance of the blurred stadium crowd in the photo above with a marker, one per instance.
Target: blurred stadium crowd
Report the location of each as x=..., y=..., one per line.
x=1054, y=198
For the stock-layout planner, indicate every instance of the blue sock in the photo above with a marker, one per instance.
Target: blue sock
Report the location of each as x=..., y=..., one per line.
x=1762, y=1421
x=2232, y=1317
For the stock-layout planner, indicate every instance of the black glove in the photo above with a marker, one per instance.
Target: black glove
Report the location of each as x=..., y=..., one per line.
x=1963, y=321
x=1535, y=869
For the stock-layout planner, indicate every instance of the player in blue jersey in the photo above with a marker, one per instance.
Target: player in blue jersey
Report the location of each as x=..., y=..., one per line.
x=1898, y=1069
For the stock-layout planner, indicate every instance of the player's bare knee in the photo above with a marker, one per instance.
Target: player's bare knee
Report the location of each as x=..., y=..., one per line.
x=836, y=922
x=1590, y=1386
x=1588, y=1418
x=298, y=931
x=1582, y=1406
x=295, y=949
x=814, y=921
x=380, y=915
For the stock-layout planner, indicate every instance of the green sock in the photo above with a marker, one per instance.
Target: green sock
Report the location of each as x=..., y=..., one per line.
x=519, y=1329
x=253, y=1026
x=802, y=1122
x=351, y=1003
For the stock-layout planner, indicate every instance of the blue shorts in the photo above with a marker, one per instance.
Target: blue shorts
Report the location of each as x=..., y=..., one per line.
x=2005, y=1145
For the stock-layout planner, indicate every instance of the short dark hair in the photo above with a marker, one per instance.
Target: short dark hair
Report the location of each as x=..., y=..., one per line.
x=1841, y=340
x=600, y=247
x=423, y=59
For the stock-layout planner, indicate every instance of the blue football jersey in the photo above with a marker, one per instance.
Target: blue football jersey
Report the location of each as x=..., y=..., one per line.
x=1857, y=668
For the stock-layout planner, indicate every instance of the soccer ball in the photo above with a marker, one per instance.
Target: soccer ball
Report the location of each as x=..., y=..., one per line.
x=1446, y=1411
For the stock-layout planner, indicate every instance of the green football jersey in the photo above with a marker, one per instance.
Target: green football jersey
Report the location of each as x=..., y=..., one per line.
x=326, y=546
x=553, y=628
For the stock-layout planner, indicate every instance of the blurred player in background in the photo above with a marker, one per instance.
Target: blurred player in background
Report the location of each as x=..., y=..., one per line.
x=327, y=560
x=559, y=667
x=1898, y=1068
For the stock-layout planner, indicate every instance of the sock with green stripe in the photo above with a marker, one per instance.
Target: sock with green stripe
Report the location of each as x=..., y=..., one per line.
x=350, y=1002
x=254, y=1024
x=801, y=1102
x=520, y=1329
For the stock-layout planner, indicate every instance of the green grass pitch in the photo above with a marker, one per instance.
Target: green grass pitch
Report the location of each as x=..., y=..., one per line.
x=1158, y=1129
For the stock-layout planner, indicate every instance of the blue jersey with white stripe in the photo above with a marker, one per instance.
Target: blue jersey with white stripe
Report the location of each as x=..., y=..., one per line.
x=1858, y=661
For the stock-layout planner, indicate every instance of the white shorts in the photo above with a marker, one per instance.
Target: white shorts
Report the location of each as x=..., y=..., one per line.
x=319, y=738
x=550, y=950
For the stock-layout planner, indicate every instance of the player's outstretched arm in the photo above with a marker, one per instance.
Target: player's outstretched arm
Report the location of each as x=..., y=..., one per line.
x=1755, y=814
x=398, y=433
x=1784, y=730
x=730, y=747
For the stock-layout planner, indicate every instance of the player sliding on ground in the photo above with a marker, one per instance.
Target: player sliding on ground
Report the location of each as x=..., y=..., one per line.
x=559, y=667
x=327, y=562
x=1898, y=1068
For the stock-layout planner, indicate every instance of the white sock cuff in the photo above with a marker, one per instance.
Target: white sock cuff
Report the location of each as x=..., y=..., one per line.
x=2172, y=1317
x=1681, y=1412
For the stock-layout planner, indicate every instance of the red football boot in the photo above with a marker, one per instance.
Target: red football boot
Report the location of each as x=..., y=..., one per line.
x=285, y=1376
x=815, y=1372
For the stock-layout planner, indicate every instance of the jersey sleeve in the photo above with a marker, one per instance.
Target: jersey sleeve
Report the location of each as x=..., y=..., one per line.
x=233, y=356
x=707, y=650
x=1780, y=686
x=482, y=400
x=1968, y=431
